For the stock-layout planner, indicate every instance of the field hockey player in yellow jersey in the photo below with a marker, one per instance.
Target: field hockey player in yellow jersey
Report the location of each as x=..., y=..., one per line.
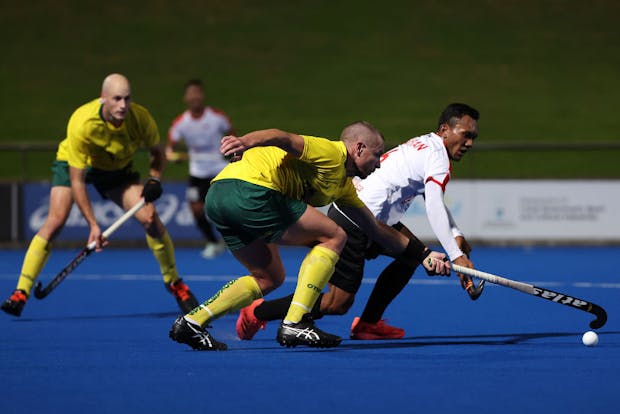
x=102, y=138
x=267, y=198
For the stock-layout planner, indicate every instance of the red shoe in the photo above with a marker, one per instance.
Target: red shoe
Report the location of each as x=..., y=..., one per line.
x=248, y=324
x=185, y=298
x=15, y=304
x=380, y=330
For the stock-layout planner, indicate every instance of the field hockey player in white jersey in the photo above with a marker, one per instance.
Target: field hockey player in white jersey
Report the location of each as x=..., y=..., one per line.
x=201, y=128
x=419, y=167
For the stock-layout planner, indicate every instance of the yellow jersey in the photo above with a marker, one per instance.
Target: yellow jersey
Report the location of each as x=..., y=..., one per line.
x=318, y=177
x=91, y=141
x=63, y=150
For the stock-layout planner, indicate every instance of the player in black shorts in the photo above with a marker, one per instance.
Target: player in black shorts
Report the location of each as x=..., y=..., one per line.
x=421, y=166
x=342, y=287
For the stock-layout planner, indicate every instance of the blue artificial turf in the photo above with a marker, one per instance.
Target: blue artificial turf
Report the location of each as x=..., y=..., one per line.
x=99, y=343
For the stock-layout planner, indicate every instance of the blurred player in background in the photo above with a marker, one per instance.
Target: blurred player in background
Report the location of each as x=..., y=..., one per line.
x=267, y=198
x=102, y=137
x=201, y=128
x=420, y=166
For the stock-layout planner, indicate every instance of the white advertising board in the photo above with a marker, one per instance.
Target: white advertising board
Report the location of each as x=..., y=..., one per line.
x=528, y=210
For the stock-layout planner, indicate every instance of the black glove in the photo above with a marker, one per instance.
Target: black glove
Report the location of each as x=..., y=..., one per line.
x=152, y=189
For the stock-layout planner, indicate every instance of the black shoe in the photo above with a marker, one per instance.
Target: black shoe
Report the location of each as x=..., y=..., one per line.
x=15, y=304
x=194, y=335
x=305, y=332
x=185, y=298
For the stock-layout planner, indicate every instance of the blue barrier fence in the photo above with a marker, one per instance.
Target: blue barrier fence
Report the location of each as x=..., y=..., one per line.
x=172, y=209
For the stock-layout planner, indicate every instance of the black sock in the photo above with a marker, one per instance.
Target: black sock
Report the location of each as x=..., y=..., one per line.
x=276, y=309
x=390, y=283
x=316, y=313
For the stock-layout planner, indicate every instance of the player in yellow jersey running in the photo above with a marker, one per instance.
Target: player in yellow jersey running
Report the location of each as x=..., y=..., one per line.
x=267, y=198
x=102, y=138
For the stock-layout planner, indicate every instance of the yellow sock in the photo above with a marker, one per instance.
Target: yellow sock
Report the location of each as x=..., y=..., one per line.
x=163, y=250
x=315, y=271
x=36, y=256
x=234, y=295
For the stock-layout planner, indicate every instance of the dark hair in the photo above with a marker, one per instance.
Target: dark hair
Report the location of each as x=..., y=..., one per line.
x=194, y=82
x=454, y=112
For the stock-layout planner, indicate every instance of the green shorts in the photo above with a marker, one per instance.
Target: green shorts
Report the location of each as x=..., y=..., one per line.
x=243, y=212
x=104, y=181
x=60, y=174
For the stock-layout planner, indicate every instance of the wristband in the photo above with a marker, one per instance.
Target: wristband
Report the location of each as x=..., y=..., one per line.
x=415, y=249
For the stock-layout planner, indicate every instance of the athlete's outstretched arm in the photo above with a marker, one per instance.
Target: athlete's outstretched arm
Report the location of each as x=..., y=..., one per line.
x=439, y=219
x=458, y=235
x=289, y=142
x=395, y=243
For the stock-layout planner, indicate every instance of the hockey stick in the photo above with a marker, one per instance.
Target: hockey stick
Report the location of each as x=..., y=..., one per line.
x=40, y=292
x=601, y=315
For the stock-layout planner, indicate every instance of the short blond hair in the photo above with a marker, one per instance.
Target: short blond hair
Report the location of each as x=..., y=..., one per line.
x=362, y=131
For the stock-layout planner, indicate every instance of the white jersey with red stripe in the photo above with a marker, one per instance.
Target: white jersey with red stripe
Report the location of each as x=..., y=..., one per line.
x=419, y=166
x=202, y=135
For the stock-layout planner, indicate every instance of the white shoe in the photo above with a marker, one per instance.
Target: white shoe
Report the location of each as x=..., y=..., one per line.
x=212, y=250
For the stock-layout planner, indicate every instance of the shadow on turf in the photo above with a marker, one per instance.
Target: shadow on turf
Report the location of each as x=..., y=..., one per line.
x=416, y=342
x=493, y=339
x=154, y=315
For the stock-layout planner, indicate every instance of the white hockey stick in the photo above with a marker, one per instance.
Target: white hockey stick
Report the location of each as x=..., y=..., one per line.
x=40, y=292
x=561, y=298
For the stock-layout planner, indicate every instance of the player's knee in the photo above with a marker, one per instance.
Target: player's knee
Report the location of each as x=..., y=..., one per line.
x=339, y=239
x=150, y=220
x=51, y=228
x=153, y=226
x=277, y=283
x=266, y=281
x=267, y=286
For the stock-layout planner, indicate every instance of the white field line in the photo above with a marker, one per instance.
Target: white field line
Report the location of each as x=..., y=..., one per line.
x=436, y=281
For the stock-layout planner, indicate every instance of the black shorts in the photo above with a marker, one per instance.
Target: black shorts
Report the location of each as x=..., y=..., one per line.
x=349, y=270
x=104, y=181
x=197, y=189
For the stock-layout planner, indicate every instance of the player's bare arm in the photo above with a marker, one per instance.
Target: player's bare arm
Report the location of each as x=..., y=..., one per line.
x=157, y=161
x=463, y=245
x=463, y=260
x=80, y=195
x=395, y=243
x=289, y=142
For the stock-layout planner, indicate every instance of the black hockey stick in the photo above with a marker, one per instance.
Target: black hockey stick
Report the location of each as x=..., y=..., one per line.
x=40, y=292
x=584, y=305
